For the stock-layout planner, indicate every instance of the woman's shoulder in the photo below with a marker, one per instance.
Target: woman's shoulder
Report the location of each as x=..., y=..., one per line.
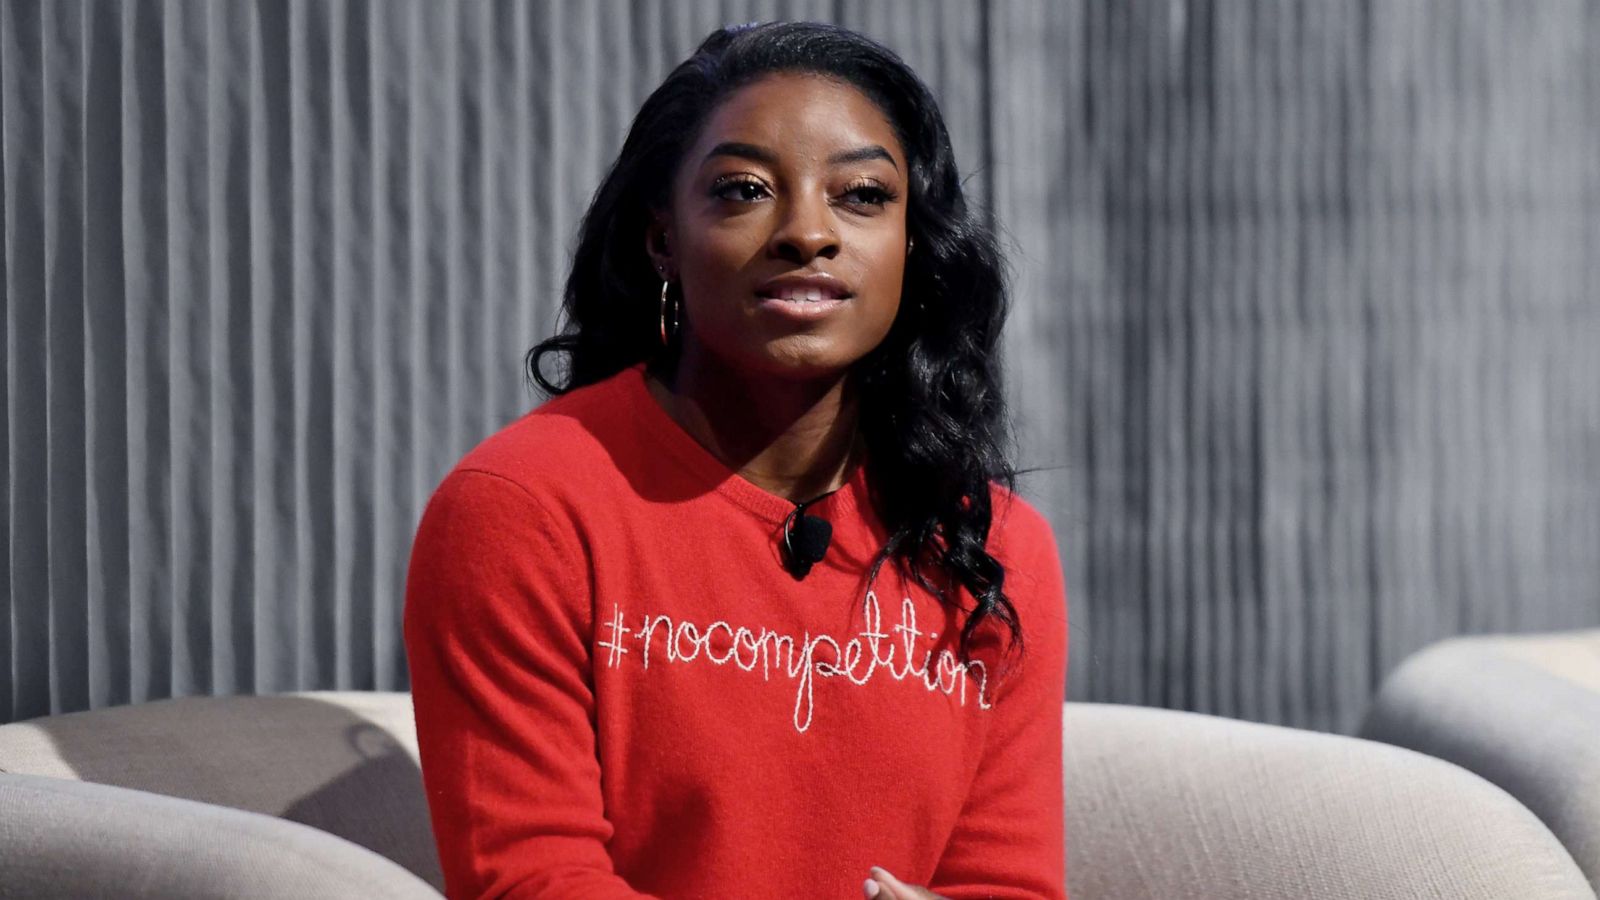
x=1018, y=533
x=1023, y=541
x=557, y=448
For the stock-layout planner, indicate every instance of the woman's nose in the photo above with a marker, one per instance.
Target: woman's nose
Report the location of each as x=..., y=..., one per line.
x=805, y=230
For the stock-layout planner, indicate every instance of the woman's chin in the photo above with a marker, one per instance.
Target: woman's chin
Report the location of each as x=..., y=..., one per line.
x=805, y=357
x=799, y=356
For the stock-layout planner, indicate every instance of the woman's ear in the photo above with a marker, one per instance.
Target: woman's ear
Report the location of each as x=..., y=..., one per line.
x=658, y=245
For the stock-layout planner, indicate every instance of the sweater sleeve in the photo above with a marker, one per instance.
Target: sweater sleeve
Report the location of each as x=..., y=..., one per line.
x=496, y=626
x=1008, y=841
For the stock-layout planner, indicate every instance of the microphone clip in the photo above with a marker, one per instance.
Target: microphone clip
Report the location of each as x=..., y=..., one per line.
x=805, y=539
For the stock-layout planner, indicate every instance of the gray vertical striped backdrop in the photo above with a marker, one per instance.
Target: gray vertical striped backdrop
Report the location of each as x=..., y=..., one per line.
x=1305, y=346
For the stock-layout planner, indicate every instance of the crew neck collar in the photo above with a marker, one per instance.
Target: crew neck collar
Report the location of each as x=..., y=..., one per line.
x=849, y=500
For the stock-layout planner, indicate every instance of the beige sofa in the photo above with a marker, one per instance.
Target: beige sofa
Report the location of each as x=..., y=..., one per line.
x=319, y=794
x=1523, y=711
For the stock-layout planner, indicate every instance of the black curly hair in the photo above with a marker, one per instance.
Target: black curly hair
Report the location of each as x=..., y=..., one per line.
x=932, y=411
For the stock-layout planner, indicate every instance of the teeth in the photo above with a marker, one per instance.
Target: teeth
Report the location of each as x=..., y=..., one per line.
x=810, y=295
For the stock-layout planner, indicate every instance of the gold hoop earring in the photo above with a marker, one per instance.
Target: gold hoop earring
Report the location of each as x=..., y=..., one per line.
x=665, y=339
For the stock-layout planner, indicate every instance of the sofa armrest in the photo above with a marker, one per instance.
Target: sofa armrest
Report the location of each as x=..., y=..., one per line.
x=343, y=762
x=1171, y=804
x=62, y=838
x=1523, y=711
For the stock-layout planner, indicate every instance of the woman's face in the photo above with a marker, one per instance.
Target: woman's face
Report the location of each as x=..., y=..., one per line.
x=794, y=175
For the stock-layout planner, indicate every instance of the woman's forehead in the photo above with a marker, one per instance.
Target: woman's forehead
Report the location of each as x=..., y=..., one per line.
x=799, y=112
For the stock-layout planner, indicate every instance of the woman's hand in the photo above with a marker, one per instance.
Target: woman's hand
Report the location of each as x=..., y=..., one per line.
x=883, y=886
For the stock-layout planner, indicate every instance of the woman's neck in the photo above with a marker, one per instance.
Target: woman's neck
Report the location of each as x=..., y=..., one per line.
x=796, y=439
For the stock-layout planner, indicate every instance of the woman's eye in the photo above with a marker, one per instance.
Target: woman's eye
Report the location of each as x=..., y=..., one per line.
x=726, y=190
x=746, y=191
x=876, y=196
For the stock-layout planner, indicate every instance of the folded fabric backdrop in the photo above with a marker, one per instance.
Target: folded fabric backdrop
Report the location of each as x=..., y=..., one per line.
x=1305, y=321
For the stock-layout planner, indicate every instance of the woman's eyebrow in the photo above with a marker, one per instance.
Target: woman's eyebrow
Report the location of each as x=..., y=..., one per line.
x=763, y=155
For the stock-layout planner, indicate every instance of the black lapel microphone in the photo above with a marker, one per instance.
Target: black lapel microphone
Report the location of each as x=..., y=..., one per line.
x=805, y=539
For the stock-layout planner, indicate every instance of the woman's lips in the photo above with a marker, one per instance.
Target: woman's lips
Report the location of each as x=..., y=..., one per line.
x=799, y=307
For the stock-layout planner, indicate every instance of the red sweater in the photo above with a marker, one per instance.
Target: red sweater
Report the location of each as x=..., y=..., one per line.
x=620, y=692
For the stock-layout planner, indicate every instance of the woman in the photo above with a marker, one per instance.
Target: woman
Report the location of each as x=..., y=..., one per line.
x=654, y=647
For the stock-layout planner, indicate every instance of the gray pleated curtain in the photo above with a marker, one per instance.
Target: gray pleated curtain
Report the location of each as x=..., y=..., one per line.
x=1306, y=337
